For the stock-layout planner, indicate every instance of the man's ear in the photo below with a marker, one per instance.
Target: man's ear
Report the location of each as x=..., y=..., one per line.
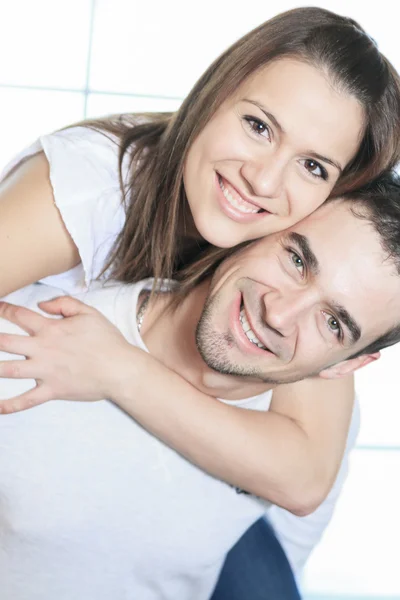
x=346, y=367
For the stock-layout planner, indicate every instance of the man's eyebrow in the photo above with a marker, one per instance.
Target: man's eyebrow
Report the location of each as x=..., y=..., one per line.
x=349, y=321
x=301, y=241
x=310, y=153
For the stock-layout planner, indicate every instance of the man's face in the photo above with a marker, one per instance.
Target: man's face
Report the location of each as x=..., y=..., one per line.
x=299, y=301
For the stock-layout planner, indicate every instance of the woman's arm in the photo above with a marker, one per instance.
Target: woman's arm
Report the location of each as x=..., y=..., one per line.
x=289, y=455
x=34, y=242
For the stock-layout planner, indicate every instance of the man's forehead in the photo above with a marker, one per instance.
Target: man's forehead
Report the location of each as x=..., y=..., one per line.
x=327, y=232
x=328, y=215
x=334, y=229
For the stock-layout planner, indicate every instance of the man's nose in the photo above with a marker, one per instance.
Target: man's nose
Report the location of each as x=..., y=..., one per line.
x=284, y=311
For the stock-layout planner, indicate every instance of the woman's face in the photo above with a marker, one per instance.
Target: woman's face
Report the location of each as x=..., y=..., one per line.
x=271, y=154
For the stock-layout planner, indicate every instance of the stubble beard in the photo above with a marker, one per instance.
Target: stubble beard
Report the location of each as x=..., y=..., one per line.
x=214, y=349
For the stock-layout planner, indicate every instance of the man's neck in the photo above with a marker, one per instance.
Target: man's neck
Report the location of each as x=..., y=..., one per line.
x=170, y=337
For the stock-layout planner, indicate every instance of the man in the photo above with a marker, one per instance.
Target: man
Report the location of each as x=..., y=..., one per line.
x=92, y=506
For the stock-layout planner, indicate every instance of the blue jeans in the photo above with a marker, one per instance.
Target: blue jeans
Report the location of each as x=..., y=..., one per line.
x=256, y=569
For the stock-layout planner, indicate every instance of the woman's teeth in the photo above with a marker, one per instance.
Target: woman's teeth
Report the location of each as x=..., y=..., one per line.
x=248, y=331
x=237, y=201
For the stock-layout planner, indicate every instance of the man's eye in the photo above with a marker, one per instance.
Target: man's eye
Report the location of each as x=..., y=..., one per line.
x=297, y=261
x=334, y=325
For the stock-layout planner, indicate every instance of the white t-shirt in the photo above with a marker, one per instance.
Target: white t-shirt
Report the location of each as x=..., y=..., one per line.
x=92, y=506
x=85, y=180
x=84, y=176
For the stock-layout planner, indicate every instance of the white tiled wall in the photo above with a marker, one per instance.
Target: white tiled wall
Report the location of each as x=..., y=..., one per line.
x=62, y=60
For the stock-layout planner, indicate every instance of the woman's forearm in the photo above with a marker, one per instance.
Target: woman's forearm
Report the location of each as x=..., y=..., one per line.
x=264, y=453
x=289, y=455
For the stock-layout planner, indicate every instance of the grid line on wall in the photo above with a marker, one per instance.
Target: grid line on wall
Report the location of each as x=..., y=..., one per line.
x=89, y=55
x=87, y=91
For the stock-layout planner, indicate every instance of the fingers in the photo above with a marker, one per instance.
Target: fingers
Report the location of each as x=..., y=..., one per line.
x=16, y=344
x=34, y=397
x=27, y=319
x=66, y=306
x=18, y=369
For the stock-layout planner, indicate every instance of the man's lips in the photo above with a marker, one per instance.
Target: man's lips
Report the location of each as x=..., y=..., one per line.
x=252, y=331
x=244, y=337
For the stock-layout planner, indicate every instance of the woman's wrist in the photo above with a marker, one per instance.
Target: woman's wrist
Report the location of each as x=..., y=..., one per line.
x=124, y=375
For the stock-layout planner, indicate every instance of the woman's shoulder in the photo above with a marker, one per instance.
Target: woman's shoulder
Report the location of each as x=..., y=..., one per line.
x=84, y=175
x=79, y=157
x=84, y=157
x=83, y=172
x=83, y=138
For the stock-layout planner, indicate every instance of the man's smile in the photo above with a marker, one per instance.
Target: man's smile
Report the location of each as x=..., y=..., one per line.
x=247, y=338
x=248, y=330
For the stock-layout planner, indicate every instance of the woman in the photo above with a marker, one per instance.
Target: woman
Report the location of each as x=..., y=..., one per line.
x=302, y=107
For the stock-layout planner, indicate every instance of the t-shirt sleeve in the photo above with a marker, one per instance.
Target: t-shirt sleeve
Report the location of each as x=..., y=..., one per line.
x=84, y=176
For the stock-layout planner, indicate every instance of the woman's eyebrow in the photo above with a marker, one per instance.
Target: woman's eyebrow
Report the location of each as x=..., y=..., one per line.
x=330, y=161
x=266, y=113
x=310, y=153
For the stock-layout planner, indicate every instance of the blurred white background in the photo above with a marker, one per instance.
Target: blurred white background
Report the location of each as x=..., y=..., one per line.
x=63, y=60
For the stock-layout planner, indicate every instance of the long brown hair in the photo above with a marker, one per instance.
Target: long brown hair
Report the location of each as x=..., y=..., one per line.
x=150, y=243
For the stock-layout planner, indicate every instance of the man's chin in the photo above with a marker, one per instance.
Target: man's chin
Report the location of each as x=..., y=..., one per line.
x=226, y=366
x=248, y=374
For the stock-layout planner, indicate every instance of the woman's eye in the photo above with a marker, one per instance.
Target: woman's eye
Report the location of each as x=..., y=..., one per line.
x=315, y=168
x=258, y=127
x=297, y=261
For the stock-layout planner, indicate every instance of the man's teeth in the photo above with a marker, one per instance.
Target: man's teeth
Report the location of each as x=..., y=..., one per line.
x=237, y=201
x=248, y=331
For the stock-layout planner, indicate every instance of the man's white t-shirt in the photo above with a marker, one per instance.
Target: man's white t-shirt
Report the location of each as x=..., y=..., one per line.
x=94, y=507
x=84, y=176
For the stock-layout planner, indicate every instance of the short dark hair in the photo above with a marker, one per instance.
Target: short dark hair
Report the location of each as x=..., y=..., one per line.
x=379, y=203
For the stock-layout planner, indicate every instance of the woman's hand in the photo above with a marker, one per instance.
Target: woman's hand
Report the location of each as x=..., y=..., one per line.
x=74, y=358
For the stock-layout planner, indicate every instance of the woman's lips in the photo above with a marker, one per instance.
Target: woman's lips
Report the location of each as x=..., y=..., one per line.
x=236, y=199
x=234, y=205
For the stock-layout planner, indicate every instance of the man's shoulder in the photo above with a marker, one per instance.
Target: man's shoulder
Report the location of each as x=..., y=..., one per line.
x=30, y=295
x=117, y=302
